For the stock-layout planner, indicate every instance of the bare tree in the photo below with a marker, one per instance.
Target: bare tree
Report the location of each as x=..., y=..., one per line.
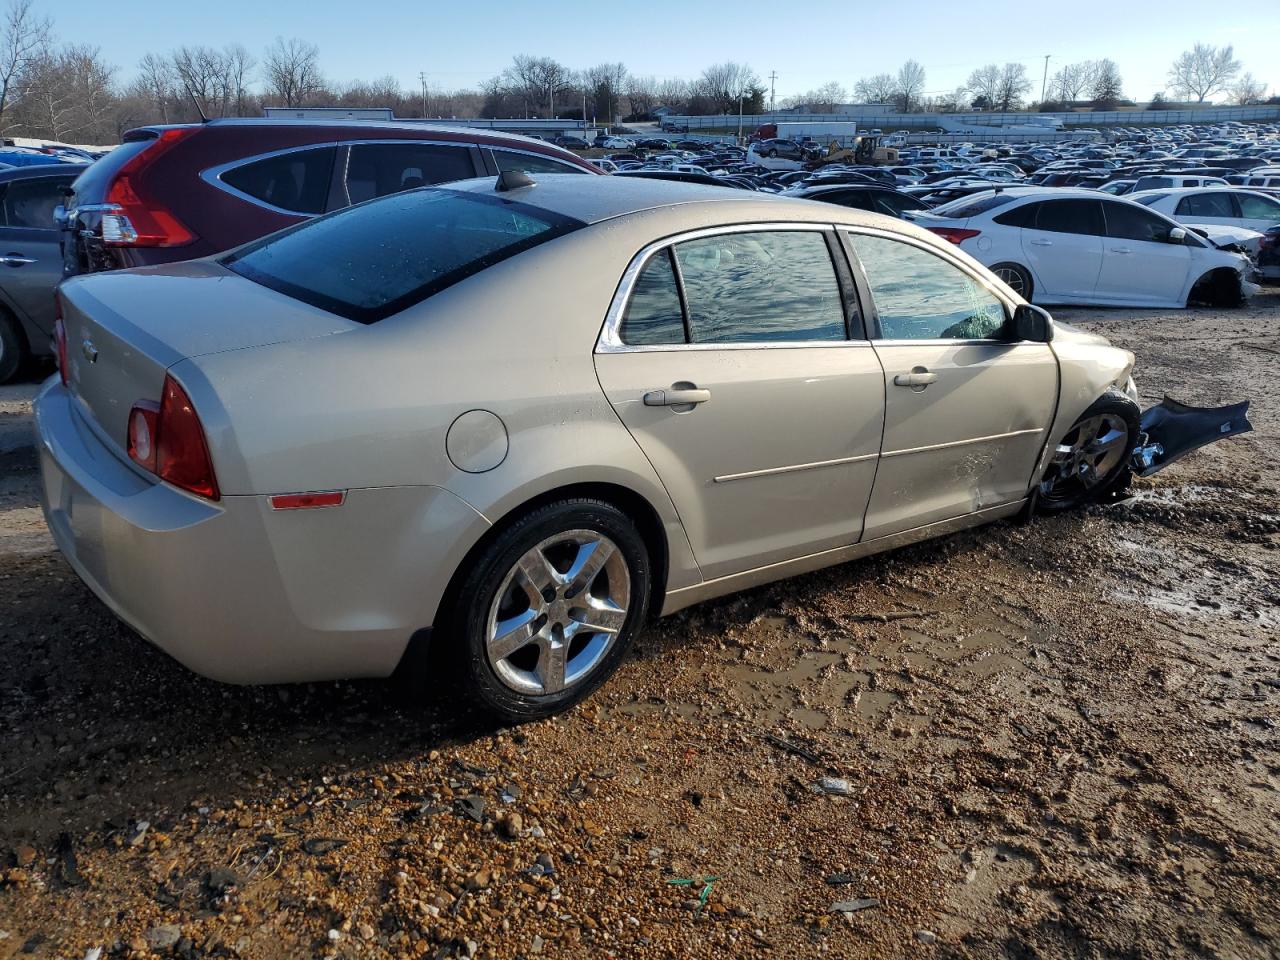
x=1247, y=90
x=68, y=96
x=1072, y=82
x=606, y=82
x=24, y=37
x=238, y=65
x=203, y=75
x=984, y=83
x=672, y=92
x=956, y=101
x=641, y=95
x=723, y=84
x=1107, y=87
x=909, y=85
x=877, y=89
x=157, y=83
x=292, y=70
x=1012, y=87
x=1203, y=71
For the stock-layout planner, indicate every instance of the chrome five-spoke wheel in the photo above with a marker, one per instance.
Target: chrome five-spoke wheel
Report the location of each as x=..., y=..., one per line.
x=1088, y=456
x=557, y=612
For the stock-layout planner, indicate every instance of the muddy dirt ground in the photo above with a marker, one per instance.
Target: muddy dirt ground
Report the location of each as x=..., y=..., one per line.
x=1051, y=740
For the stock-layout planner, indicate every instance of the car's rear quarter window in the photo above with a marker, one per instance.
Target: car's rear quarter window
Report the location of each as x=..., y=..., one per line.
x=374, y=260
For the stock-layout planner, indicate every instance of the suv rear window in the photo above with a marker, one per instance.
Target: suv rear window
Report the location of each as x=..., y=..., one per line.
x=368, y=262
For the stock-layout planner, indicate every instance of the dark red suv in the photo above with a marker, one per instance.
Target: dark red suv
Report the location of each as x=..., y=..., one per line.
x=180, y=192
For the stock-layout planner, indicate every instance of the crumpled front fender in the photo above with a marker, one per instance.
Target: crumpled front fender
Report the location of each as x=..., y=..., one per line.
x=1170, y=430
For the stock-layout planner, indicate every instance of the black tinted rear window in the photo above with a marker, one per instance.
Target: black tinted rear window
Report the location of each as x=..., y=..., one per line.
x=963, y=209
x=297, y=181
x=371, y=261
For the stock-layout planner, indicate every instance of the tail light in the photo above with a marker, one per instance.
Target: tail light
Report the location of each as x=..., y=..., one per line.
x=954, y=234
x=60, y=339
x=134, y=218
x=168, y=440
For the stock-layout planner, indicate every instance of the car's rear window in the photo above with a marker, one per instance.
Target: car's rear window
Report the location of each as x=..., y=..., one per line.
x=370, y=261
x=963, y=209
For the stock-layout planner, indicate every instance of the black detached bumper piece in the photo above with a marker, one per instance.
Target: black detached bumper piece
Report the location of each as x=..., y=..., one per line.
x=1171, y=430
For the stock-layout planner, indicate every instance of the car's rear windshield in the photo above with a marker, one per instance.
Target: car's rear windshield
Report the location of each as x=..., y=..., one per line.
x=963, y=209
x=373, y=260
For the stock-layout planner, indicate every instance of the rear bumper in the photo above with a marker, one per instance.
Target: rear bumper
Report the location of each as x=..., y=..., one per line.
x=239, y=592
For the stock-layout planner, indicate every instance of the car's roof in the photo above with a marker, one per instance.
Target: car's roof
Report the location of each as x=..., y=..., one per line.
x=595, y=199
x=1207, y=188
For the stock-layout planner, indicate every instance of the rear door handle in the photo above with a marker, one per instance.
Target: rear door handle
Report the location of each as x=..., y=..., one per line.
x=1042, y=243
x=1121, y=250
x=916, y=379
x=15, y=260
x=674, y=398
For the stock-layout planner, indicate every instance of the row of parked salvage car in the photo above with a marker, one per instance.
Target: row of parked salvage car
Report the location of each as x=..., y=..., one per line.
x=491, y=427
x=171, y=193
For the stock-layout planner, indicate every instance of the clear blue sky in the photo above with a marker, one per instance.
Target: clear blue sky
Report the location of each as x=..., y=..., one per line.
x=808, y=43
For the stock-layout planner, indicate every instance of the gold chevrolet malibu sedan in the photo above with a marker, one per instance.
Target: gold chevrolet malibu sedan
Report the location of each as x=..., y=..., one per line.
x=519, y=418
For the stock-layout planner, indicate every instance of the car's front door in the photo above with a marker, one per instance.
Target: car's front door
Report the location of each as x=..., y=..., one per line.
x=966, y=409
x=737, y=361
x=1142, y=262
x=1063, y=247
x=30, y=259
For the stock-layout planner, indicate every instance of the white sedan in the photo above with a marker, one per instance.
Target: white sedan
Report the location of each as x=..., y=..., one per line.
x=1223, y=206
x=1083, y=247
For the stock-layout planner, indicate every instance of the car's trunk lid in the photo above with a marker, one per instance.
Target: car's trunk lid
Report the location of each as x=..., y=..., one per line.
x=123, y=334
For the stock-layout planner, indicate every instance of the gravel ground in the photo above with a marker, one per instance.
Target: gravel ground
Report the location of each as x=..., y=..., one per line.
x=1057, y=739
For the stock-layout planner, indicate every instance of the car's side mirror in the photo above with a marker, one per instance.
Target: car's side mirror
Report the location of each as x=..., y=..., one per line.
x=60, y=215
x=1031, y=324
x=1177, y=235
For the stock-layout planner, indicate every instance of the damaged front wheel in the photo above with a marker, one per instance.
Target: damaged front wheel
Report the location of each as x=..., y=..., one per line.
x=1091, y=462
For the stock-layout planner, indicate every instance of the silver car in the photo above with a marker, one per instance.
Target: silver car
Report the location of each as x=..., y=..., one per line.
x=521, y=418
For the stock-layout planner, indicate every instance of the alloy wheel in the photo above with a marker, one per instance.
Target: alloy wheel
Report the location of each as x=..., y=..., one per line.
x=1013, y=279
x=1087, y=456
x=557, y=612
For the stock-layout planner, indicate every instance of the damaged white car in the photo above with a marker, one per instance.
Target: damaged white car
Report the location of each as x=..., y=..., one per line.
x=1063, y=246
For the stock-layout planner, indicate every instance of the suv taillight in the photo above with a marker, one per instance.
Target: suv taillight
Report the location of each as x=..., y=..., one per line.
x=168, y=440
x=134, y=217
x=60, y=339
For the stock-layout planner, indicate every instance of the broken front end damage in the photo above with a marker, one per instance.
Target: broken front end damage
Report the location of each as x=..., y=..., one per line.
x=1170, y=430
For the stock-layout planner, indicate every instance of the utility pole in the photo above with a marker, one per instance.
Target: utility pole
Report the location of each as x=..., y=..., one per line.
x=423, y=77
x=1045, y=80
x=773, y=81
x=741, y=94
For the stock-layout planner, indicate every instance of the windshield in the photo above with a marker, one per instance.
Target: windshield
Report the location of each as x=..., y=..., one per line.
x=373, y=260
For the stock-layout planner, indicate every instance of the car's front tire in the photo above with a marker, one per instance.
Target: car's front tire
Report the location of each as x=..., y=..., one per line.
x=548, y=610
x=1092, y=461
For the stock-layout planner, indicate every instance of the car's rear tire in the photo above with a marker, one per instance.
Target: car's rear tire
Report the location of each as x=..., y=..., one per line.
x=1017, y=278
x=13, y=348
x=549, y=608
x=1091, y=462
x=772, y=153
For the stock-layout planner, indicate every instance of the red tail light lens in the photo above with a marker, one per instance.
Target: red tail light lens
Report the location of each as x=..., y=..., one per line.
x=954, y=234
x=60, y=340
x=168, y=440
x=138, y=220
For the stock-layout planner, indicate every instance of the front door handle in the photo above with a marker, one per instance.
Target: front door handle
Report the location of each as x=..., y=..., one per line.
x=919, y=378
x=1121, y=250
x=15, y=260
x=1042, y=243
x=672, y=397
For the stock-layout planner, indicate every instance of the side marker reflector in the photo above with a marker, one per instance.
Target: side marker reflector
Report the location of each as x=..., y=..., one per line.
x=308, y=501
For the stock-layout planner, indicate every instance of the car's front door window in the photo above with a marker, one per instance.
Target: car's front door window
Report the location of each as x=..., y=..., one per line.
x=920, y=296
x=761, y=287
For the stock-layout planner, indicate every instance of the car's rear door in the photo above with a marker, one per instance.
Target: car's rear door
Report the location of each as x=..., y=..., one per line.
x=1142, y=262
x=1258, y=212
x=736, y=358
x=30, y=257
x=1063, y=247
x=966, y=409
